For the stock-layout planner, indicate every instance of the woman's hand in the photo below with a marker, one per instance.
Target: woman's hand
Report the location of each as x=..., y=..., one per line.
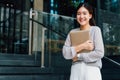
x=75, y=58
x=88, y=45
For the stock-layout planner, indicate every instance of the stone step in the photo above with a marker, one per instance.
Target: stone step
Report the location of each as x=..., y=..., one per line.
x=19, y=60
x=26, y=70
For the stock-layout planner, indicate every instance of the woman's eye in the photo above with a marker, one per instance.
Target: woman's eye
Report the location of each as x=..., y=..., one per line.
x=78, y=13
x=84, y=13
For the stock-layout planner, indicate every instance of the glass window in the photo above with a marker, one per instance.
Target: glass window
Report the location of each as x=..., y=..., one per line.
x=53, y=7
x=110, y=5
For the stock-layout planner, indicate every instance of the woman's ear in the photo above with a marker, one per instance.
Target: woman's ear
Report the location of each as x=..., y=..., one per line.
x=90, y=16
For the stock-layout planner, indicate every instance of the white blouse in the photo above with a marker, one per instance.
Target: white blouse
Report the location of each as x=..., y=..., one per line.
x=93, y=57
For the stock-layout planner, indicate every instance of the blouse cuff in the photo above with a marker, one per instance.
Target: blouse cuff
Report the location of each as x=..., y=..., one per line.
x=73, y=52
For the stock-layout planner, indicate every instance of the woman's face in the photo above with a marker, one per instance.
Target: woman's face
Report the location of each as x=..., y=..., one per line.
x=83, y=16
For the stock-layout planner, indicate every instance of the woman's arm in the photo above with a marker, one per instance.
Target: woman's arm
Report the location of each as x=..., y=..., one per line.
x=88, y=45
x=68, y=51
x=98, y=51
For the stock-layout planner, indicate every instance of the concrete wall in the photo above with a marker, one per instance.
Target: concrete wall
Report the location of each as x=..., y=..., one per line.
x=37, y=29
x=38, y=5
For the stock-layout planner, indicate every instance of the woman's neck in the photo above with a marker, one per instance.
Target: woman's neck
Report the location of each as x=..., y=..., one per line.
x=85, y=27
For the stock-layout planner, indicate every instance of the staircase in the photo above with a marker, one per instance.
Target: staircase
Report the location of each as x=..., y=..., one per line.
x=21, y=67
x=25, y=67
x=110, y=70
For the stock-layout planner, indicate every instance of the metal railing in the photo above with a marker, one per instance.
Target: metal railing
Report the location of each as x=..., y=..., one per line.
x=12, y=27
x=51, y=28
x=54, y=24
x=111, y=60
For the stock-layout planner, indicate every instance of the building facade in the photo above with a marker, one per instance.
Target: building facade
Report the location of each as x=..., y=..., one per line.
x=32, y=34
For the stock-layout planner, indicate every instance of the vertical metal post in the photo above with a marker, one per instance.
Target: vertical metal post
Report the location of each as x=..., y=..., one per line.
x=43, y=41
x=30, y=34
x=98, y=12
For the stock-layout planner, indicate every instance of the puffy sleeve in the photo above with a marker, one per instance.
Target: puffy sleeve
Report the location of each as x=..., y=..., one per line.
x=68, y=50
x=98, y=51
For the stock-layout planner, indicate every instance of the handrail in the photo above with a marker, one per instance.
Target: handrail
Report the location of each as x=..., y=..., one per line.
x=44, y=28
x=63, y=35
x=49, y=28
x=111, y=60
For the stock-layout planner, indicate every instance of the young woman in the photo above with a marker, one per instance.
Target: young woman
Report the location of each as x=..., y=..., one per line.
x=85, y=66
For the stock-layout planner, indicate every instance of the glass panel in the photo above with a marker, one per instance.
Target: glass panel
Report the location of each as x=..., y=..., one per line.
x=112, y=39
x=56, y=28
x=22, y=35
x=52, y=30
x=111, y=32
x=14, y=28
x=56, y=22
x=110, y=5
